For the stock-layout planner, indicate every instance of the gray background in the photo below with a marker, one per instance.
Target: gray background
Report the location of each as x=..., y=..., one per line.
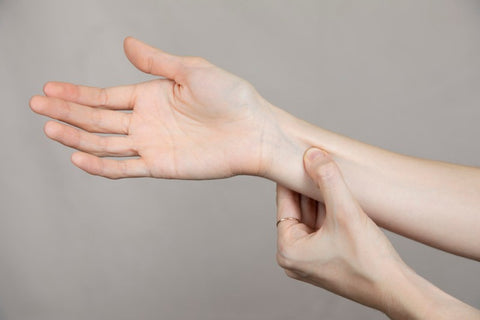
x=404, y=75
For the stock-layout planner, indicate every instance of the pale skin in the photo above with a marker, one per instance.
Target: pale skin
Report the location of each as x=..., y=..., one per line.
x=201, y=122
x=336, y=246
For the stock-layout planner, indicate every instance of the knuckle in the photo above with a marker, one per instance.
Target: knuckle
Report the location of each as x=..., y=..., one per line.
x=282, y=248
x=125, y=123
x=123, y=168
x=65, y=110
x=285, y=256
x=103, y=97
x=149, y=64
x=97, y=120
x=104, y=171
x=77, y=141
x=103, y=144
x=282, y=261
x=73, y=91
x=245, y=91
x=292, y=274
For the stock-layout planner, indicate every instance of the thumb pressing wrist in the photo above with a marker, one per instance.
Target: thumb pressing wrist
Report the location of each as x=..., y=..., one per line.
x=327, y=176
x=315, y=158
x=321, y=168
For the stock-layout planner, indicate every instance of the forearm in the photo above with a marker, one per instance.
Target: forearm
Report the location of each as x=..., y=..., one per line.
x=416, y=198
x=406, y=295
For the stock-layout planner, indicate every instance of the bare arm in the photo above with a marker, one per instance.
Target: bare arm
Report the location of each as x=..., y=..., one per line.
x=201, y=122
x=432, y=202
x=336, y=246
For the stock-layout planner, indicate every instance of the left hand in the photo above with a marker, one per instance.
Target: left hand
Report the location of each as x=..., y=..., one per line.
x=200, y=122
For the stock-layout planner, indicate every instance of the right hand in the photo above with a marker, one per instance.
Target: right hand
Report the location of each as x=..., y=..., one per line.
x=335, y=246
x=201, y=122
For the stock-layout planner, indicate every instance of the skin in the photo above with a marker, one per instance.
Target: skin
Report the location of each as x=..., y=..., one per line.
x=200, y=122
x=336, y=246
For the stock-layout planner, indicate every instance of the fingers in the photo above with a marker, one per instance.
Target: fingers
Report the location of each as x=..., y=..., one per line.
x=90, y=119
x=327, y=176
x=321, y=213
x=115, y=98
x=288, y=206
x=108, y=168
x=152, y=60
x=308, y=208
x=89, y=142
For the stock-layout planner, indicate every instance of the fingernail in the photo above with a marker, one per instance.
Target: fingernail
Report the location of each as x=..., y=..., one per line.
x=314, y=154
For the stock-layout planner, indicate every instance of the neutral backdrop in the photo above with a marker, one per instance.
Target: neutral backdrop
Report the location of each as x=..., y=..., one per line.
x=403, y=75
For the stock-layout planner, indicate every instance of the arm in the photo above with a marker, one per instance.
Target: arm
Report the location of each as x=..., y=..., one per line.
x=336, y=246
x=416, y=198
x=201, y=122
x=413, y=297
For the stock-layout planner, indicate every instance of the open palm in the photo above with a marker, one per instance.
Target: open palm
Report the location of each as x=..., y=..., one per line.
x=197, y=122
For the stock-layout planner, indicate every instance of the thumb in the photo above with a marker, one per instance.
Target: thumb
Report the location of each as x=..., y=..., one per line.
x=152, y=60
x=327, y=176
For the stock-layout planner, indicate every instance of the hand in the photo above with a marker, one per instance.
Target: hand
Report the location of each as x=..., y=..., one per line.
x=201, y=122
x=335, y=246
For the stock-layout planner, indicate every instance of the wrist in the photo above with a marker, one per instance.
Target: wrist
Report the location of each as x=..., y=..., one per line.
x=283, y=149
x=287, y=140
x=252, y=151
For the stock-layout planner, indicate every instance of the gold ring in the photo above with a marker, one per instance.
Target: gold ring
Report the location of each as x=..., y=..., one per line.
x=288, y=218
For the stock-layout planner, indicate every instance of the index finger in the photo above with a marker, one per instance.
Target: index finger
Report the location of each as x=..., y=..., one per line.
x=115, y=98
